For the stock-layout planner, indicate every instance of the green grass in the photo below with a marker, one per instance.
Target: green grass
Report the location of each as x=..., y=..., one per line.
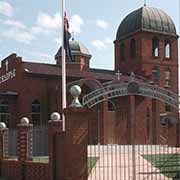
x=168, y=164
x=41, y=159
x=91, y=163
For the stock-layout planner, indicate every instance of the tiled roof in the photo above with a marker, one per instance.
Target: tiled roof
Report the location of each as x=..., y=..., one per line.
x=54, y=70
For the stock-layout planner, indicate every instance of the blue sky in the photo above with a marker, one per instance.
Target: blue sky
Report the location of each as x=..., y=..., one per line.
x=32, y=29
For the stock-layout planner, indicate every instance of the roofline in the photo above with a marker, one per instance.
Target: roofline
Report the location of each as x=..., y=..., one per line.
x=145, y=30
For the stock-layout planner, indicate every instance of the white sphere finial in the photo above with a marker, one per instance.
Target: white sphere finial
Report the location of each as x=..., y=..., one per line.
x=75, y=92
x=24, y=121
x=2, y=125
x=55, y=116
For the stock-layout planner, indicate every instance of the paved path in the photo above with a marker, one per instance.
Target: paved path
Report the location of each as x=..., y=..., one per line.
x=116, y=162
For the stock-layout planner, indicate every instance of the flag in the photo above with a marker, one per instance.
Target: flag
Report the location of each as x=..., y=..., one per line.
x=67, y=37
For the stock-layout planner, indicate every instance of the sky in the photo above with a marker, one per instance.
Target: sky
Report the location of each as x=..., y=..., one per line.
x=32, y=29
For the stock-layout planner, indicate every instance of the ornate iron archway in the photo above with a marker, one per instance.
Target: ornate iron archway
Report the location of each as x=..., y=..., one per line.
x=131, y=86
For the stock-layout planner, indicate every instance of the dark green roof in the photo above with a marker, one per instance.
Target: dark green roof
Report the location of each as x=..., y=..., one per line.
x=77, y=48
x=146, y=19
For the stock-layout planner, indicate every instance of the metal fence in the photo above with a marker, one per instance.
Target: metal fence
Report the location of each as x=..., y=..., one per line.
x=134, y=159
x=40, y=142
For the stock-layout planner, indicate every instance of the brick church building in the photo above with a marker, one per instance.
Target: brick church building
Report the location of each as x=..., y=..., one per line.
x=146, y=43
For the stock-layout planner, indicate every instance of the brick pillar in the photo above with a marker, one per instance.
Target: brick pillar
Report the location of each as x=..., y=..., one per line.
x=25, y=145
x=3, y=143
x=54, y=128
x=76, y=142
x=68, y=150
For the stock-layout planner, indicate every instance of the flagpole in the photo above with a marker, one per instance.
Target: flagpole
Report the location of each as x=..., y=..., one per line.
x=63, y=67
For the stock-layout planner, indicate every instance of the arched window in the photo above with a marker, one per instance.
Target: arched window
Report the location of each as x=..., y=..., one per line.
x=167, y=75
x=4, y=112
x=167, y=50
x=155, y=47
x=133, y=48
x=36, y=113
x=122, y=53
x=155, y=74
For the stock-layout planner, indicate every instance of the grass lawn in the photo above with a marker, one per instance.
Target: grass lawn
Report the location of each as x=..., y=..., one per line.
x=168, y=164
x=91, y=163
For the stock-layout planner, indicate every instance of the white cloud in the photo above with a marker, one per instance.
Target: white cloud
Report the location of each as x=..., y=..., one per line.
x=18, y=35
x=6, y=9
x=98, y=44
x=75, y=24
x=15, y=23
x=44, y=55
x=102, y=24
x=108, y=41
x=18, y=31
x=36, y=30
x=102, y=44
x=50, y=22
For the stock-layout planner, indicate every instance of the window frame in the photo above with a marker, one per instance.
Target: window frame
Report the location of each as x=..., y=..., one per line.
x=6, y=113
x=132, y=48
x=122, y=55
x=167, y=42
x=36, y=103
x=155, y=45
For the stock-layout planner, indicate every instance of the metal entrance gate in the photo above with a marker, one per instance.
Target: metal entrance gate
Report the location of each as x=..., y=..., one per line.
x=133, y=161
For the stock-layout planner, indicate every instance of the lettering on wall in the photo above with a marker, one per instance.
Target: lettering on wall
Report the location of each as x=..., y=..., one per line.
x=9, y=75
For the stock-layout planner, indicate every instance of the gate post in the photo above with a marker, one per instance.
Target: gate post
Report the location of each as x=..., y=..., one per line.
x=155, y=121
x=54, y=128
x=75, y=150
x=24, y=147
x=133, y=133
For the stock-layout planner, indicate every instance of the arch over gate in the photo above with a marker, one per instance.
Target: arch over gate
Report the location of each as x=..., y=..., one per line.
x=130, y=87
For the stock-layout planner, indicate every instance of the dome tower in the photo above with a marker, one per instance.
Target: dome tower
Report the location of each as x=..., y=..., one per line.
x=146, y=43
x=80, y=56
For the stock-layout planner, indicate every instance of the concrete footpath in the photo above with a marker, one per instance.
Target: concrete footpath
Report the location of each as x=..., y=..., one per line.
x=117, y=162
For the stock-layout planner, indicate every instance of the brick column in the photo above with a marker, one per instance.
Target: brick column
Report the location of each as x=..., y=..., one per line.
x=24, y=147
x=3, y=141
x=75, y=144
x=155, y=122
x=54, y=128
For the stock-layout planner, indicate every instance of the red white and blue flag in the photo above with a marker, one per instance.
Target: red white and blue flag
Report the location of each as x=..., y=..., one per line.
x=67, y=37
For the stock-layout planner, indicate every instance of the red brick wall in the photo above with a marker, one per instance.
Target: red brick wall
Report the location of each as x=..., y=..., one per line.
x=15, y=170
x=11, y=169
x=36, y=171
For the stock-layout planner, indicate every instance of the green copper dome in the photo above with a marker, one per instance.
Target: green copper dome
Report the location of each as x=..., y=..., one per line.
x=77, y=48
x=146, y=19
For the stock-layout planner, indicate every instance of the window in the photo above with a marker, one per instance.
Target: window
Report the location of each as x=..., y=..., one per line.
x=167, y=76
x=36, y=113
x=167, y=107
x=4, y=113
x=133, y=48
x=155, y=74
x=167, y=50
x=122, y=52
x=155, y=47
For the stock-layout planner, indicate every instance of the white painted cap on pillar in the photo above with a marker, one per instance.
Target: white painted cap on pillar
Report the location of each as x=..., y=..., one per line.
x=24, y=121
x=2, y=125
x=55, y=116
x=75, y=91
